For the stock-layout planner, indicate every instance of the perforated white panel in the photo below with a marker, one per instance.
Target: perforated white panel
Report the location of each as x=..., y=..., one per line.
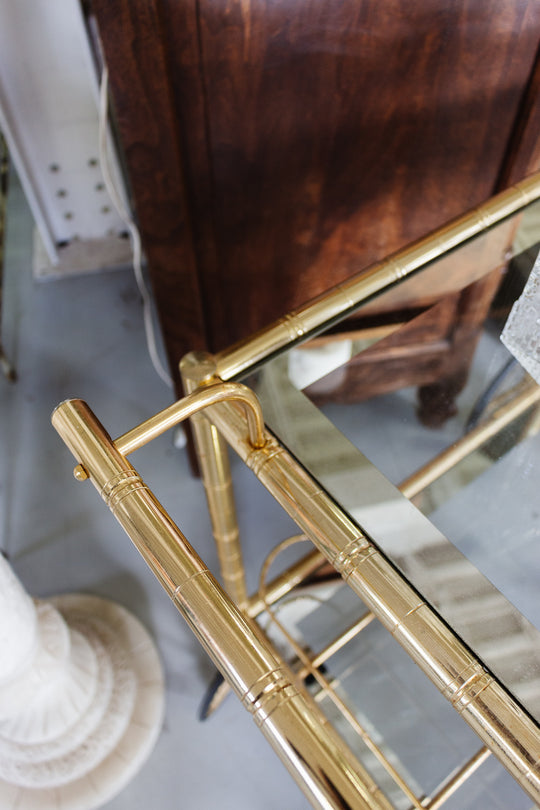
x=49, y=114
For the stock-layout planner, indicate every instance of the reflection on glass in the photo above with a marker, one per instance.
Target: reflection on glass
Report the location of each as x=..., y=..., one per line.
x=369, y=690
x=483, y=579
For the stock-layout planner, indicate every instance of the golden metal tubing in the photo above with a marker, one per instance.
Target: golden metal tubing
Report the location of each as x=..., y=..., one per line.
x=491, y=711
x=319, y=761
x=472, y=440
x=414, y=484
x=410, y=487
x=344, y=298
x=328, y=687
x=276, y=589
x=343, y=639
x=218, y=485
x=197, y=370
x=186, y=407
x=285, y=582
x=457, y=780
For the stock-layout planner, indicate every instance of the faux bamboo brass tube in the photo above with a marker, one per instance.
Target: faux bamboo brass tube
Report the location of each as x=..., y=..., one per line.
x=414, y=484
x=285, y=582
x=343, y=639
x=472, y=440
x=319, y=761
x=197, y=370
x=310, y=667
x=474, y=693
x=455, y=782
x=347, y=296
x=410, y=487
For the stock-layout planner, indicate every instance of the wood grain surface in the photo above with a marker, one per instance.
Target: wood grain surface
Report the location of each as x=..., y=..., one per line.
x=276, y=148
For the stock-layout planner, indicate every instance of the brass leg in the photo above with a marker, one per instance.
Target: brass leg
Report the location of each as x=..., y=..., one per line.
x=198, y=369
x=457, y=780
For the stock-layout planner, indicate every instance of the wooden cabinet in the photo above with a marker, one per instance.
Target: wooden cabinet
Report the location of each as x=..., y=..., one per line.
x=274, y=148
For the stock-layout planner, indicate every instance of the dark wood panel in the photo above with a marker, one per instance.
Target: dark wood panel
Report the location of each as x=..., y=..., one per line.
x=275, y=148
x=340, y=132
x=413, y=355
x=523, y=154
x=146, y=116
x=433, y=351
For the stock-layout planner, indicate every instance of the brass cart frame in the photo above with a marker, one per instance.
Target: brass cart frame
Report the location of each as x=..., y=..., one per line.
x=222, y=618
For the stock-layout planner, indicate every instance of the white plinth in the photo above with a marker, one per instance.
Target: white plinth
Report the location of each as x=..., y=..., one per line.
x=81, y=699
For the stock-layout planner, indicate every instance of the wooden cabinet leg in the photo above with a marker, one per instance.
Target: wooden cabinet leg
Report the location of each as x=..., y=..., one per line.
x=437, y=402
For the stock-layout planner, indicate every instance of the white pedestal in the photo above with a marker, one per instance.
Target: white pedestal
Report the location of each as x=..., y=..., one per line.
x=81, y=699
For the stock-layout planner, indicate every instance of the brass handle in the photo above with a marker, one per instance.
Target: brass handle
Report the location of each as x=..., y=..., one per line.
x=183, y=409
x=186, y=407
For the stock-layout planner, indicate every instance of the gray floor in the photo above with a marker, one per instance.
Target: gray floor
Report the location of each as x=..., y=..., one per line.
x=83, y=337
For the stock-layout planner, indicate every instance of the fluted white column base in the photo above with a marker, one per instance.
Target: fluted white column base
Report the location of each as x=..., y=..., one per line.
x=81, y=717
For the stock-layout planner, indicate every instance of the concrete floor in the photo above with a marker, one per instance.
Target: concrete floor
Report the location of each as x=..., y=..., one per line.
x=83, y=337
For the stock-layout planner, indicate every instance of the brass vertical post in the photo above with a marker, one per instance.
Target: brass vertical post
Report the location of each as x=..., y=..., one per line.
x=199, y=369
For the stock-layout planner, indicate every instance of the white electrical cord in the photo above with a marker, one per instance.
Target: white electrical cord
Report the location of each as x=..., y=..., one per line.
x=135, y=237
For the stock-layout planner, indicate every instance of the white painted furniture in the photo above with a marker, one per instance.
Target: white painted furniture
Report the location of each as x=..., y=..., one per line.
x=81, y=699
